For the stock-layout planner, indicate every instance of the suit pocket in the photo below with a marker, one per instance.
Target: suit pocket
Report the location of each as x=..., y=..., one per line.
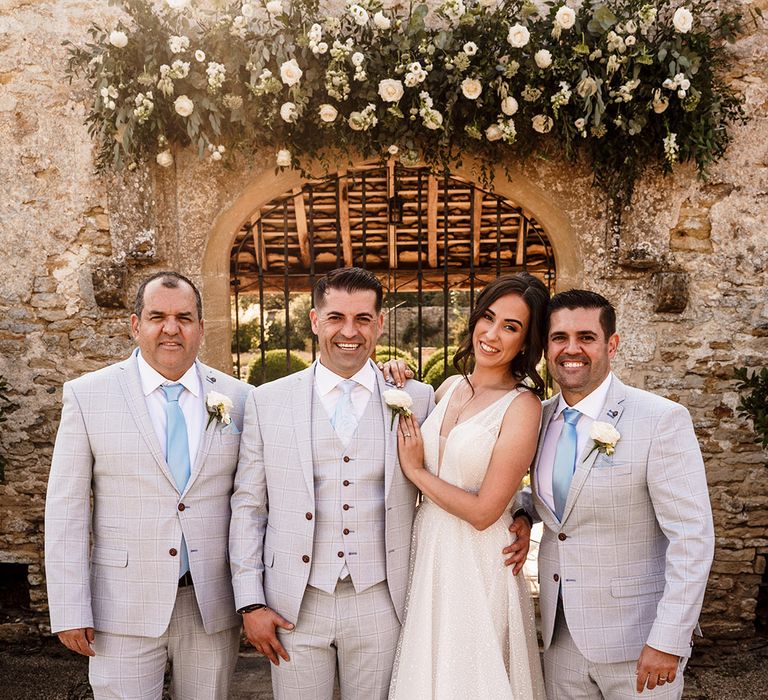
x=109, y=556
x=608, y=466
x=634, y=586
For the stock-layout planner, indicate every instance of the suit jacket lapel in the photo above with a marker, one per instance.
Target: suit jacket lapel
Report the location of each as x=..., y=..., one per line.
x=610, y=413
x=548, y=411
x=130, y=383
x=208, y=383
x=300, y=405
x=390, y=434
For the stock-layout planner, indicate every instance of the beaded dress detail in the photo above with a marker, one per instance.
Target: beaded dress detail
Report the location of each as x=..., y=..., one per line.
x=469, y=628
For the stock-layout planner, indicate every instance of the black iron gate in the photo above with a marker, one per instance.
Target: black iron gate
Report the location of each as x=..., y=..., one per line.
x=431, y=240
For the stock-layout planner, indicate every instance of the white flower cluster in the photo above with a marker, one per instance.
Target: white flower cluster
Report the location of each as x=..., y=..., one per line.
x=364, y=120
x=358, y=59
x=561, y=98
x=337, y=84
x=178, y=70
x=108, y=96
x=239, y=27
x=232, y=102
x=671, y=148
x=316, y=44
x=625, y=91
x=178, y=44
x=216, y=152
x=144, y=106
x=581, y=126
x=381, y=21
x=216, y=73
x=430, y=117
x=503, y=130
x=359, y=14
x=415, y=74
x=274, y=8
x=679, y=83
x=454, y=10
x=266, y=84
x=647, y=16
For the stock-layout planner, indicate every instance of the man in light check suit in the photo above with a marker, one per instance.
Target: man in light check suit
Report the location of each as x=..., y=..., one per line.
x=628, y=535
x=321, y=513
x=137, y=513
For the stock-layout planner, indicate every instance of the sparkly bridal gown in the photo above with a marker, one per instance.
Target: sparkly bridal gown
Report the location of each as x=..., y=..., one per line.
x=469, y=627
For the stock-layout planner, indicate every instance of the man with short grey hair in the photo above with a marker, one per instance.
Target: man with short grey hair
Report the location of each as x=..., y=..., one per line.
x=137, y=513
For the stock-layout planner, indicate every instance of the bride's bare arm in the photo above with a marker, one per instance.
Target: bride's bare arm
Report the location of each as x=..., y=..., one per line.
x=511, y=457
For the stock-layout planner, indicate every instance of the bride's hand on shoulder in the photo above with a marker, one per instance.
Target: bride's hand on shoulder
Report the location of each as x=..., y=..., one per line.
x=410, y=446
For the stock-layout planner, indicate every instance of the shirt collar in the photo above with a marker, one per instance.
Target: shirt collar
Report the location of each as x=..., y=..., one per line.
x=592, y=404
x=151, y=379
x=327, y=381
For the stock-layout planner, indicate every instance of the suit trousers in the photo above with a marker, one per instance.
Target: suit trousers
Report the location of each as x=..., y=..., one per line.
x=354, y=632
x=202, y=664
x=569, y=675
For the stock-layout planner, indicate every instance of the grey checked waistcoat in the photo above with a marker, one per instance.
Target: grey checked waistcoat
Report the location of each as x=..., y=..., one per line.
x=349, y=500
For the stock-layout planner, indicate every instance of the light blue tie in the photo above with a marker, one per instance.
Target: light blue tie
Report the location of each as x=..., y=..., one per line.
x=177, y=452
x=344, y=420
x=565, y=460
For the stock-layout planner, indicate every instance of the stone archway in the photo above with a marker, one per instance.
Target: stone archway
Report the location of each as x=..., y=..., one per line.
x=267, y=186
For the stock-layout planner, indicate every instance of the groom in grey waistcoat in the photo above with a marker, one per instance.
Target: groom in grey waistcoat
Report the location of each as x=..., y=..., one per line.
x=321, y=513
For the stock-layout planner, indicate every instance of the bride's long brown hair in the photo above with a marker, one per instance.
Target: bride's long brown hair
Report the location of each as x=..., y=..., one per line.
x=536, y=297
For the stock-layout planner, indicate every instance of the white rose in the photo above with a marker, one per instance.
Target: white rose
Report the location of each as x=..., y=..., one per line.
x=543, y=58
x=586, y=87
x=290, y=72
x=118, y=39
x=199, y=56
x=604, y=432
x=432, y=119
x=248, y=10
x=393, y=150
x=288, y=112
x=275, y=7
x=184, y=106
x=322, y=47
x=683, y=20
x=509, y=106
x=328, y=113
x=164, y=159
x=177, y=4
x=494, y=132
x=357, y=59
x=381, y=21
x=630, y=27
x=518, y=36
x=471, y=88
x=565, y=17
x=390, y=90
x=283, y=158
x=630, y=41
x=397, y=398
x=355, y=121
x=542, y=123
x=470, y=48
x=359, y=14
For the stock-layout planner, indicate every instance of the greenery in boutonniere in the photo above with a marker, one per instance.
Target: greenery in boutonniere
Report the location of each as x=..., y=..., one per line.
x=625, y=84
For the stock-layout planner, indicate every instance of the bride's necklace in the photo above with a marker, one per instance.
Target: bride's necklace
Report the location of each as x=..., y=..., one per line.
x=472, y=396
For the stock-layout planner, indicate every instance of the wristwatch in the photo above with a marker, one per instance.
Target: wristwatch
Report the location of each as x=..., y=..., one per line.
x=250, y=608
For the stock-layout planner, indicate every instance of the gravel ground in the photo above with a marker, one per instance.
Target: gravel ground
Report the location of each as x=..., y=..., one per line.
x=49, y=672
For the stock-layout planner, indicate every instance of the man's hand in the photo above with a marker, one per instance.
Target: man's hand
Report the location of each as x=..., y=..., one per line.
x=655, y=667
x=518, y=550
x=78, y=640
x=260, y=628
x=396, y=372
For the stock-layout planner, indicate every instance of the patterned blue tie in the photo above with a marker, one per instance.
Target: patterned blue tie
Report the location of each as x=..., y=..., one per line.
x=565, y=460
x=344, y=420
x=177, y=452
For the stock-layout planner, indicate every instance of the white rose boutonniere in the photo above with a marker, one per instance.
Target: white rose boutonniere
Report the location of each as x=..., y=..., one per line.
x=399, y=402
x=605, y=437
x=218, y=407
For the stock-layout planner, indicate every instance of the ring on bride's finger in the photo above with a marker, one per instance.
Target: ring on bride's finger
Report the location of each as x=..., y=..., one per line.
x=406, y=435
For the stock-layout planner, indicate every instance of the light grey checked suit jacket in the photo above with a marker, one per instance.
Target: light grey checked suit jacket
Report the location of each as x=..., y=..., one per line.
x=110, y=567
x=274, y=492
x=635, y=545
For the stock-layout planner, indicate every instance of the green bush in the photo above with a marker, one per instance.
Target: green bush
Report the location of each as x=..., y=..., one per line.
x=386, y=352
x=753, y=392
x=274, y=366
x=247, y=336
x=437, y=356
x=436, y=374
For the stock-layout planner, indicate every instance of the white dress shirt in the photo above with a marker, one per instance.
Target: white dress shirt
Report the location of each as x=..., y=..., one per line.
x=590, y=407
x=190, y=401
x=327, y=386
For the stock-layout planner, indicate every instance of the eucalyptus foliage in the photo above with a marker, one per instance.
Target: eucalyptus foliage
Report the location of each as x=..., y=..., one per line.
x=625, y=84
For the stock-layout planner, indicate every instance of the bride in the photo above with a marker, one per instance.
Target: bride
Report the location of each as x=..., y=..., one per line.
x=469, y=627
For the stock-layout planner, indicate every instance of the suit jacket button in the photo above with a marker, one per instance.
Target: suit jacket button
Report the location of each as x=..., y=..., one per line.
x=181, y=506
x=345, y=482
x=172, y=551
x=346, y=506
x=346, y=459
x=308, y=516
x=562, y=537
x=341, y=555
x=556, y=577
x=345, y=531
x=305, y=559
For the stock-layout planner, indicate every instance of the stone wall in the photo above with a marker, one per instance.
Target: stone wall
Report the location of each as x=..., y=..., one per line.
x=689, y=280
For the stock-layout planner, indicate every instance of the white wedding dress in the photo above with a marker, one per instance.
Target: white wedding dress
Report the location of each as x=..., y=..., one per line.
x=469, y=628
